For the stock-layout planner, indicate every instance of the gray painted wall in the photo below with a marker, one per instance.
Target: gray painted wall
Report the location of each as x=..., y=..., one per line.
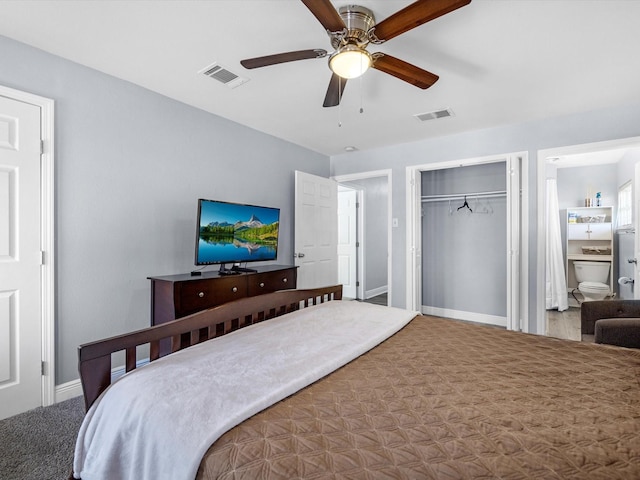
x=464, y=253
x=130, y=165
x=575, y=183
x=587, y=127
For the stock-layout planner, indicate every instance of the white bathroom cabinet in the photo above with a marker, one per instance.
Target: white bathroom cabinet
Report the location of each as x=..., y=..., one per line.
x=589, y=231
x=590, y=238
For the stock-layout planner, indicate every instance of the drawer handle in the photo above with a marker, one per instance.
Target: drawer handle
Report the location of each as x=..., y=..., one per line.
x=284, y=280
x=201, y=294
x=234, y=289
x=261, y=284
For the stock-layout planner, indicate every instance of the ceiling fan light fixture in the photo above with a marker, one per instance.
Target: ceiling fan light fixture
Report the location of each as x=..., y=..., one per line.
x=350, y=61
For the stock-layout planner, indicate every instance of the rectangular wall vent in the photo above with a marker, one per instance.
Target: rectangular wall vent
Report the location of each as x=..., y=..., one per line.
x=445, y=112
x=223, y=75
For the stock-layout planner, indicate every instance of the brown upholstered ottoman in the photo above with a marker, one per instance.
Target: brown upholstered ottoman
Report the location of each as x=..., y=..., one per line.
x=624, y=332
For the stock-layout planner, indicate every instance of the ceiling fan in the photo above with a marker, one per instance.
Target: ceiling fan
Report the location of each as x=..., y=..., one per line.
x=351, y=29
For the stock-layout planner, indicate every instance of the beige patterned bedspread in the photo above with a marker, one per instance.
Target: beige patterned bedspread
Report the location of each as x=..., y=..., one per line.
x=449, y=400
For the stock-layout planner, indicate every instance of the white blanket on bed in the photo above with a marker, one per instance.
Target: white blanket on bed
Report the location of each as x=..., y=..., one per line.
x=158, y=421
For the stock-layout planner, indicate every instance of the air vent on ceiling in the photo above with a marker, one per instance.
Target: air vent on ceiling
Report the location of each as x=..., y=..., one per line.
x=445, y=112
x=223, y=75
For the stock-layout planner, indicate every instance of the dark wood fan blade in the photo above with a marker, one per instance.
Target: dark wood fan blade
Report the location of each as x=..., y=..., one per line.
x=404, y=71
x=326, y=14
x=415, y=15
x=334, y=92
x=282, y=58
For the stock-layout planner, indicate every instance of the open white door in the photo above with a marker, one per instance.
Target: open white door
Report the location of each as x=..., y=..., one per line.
x=20, y=258
x=316, y=230
x=514, y=317
x=636, y=235
x=414, y=236
x=347, y=241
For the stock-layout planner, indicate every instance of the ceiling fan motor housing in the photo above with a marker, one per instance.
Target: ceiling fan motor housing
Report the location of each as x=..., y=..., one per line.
x=358, y=20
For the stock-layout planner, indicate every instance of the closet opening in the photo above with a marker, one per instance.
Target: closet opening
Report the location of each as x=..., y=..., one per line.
x=465, y=252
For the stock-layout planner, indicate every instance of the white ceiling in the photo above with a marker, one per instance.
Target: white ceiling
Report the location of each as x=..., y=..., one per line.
x=499, y=62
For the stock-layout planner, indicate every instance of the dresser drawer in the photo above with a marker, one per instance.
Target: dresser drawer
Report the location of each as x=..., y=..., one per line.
x=175, y=296
x=271, y=281
x=202, y=294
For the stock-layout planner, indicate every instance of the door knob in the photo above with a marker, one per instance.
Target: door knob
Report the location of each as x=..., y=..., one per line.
x=632, y=260
x=298, y=255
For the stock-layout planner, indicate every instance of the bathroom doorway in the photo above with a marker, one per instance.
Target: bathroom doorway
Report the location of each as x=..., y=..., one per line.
x=581, y=171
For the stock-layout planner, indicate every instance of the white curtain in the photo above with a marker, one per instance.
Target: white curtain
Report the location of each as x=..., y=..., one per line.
x=555, y=280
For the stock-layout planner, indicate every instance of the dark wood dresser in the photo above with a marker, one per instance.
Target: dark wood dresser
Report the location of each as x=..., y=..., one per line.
x=176, y=296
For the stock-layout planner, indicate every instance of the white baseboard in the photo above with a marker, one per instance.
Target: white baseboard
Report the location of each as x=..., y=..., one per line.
x=375, y=292
x=467, y=316
x=72, y=389
x=67, y=391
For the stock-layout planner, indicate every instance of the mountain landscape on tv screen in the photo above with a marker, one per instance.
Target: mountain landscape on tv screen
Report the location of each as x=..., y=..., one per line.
x=251, y=231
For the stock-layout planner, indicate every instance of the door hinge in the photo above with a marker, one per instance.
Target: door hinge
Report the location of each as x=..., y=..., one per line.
x=357, y=283
x=42, y=257
x=357, y=244
x=41, y=147
x=43, y=368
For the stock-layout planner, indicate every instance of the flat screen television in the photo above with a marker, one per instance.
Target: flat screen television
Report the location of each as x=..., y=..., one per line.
x=235, y=233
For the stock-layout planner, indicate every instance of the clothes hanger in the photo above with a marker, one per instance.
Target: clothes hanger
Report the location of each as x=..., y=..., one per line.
x=482, y=207
x=465, y=204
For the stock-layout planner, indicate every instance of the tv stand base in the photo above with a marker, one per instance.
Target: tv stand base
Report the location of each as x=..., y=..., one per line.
x=227, y=271
x=235, y=270
x=238, y=269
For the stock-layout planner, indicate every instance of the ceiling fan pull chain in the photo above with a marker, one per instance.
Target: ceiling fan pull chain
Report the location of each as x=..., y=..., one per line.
x=361, y=107
x=339, y=102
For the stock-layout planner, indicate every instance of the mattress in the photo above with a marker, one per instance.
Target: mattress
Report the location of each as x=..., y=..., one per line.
x=159, y=420
x=448, y=399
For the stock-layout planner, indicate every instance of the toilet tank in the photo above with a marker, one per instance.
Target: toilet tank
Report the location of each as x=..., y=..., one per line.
x=592, y=271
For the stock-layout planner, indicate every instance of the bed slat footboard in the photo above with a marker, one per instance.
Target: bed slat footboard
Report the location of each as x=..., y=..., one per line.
x=94, y=359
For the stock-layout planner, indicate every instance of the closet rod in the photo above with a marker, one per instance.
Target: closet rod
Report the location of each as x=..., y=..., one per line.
x=461, y=196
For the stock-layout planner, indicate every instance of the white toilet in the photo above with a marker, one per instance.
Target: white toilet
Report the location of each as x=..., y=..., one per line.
x=592, y=279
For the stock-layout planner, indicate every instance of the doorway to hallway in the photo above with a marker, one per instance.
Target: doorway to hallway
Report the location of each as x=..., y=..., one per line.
x=373, y=227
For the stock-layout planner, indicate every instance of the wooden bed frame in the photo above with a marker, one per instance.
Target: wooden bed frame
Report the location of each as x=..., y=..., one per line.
x=94, y=359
